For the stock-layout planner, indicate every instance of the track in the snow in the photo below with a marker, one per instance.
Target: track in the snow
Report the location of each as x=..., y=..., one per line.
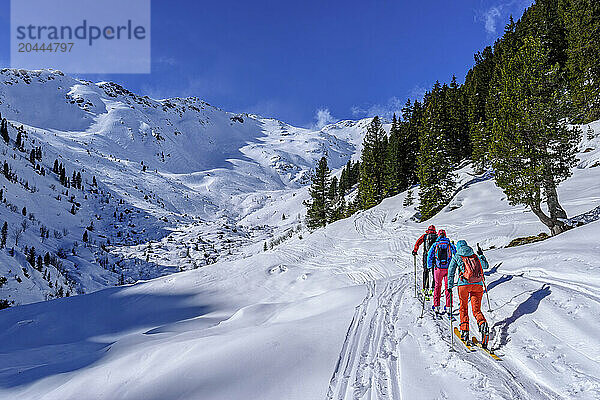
x=368, y=361
x=368, y=365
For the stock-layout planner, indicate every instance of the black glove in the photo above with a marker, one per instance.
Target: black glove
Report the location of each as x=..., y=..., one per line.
x=479, y=251
x=414, y=253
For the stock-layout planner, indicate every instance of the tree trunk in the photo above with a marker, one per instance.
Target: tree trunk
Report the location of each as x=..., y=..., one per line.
x=556, y=226
x=556, y=211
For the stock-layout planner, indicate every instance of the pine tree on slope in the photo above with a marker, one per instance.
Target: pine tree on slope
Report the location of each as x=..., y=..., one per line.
x=533, y=149
x=319, y=207
x=393, y=161
x=371, y=187
x=436, y=177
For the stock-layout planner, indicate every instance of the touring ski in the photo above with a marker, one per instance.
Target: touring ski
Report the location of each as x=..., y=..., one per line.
x=468, y=346
x=477, y=343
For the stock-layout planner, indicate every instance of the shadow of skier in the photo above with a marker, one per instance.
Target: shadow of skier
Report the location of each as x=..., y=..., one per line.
x=529, y=306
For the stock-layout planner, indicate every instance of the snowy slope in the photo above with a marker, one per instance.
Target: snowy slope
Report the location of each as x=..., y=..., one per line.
x=332, y=315
x=195, y=181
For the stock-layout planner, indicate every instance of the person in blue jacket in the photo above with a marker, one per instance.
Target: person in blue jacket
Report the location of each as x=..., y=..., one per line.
x=438, y=259
x=469, y=268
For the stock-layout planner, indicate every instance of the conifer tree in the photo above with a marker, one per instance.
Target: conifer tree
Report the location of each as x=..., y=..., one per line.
x=533, y=149
x=436, y=178
x=3, y=235
x=4, y=130
x=62, y=176
x=343, y=185
x=394, y=160
x=31, y=256
x=319, y=207
x=337, y=201
x=409, y=142
x=458, y=123
x=371, y=187
x=581, y=20
x=333, y=189
x=476, y=90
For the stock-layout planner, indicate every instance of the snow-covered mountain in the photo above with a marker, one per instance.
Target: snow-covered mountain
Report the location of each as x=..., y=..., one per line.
x=178, y=174
x=333, y=315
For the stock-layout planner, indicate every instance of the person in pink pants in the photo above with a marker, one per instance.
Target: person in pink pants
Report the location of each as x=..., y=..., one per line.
x=438, y=259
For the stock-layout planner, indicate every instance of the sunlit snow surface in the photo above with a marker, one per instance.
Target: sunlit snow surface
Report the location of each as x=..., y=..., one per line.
x=187, y=176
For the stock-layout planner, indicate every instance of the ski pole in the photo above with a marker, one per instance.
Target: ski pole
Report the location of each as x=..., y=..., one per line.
x=415, y=263
x=451, y=325
x=484, y=285
x=487, y=295
x=422, y=306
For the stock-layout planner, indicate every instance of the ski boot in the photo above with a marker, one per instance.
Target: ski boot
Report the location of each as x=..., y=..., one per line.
x=485, y=334
x=447, y=312
x=436, y=310
x=464, y=336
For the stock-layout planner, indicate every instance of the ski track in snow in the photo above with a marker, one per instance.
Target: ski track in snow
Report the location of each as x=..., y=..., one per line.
x=369, y=365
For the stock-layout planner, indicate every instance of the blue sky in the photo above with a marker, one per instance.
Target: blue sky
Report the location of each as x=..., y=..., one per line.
x=308, y=62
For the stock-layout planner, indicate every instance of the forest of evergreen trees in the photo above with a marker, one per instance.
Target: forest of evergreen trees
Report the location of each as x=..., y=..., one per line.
x=511, y=115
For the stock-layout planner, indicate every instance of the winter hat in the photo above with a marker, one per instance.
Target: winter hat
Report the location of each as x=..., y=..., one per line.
x=442, y=233
x=431, y=229
x=461, y=243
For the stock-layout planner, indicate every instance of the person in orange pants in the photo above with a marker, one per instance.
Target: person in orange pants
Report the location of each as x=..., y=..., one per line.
x=470, y=268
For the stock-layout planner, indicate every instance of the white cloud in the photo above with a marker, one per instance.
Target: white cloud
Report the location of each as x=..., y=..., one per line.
x=489, y=18
x=391, y=107
x=499, y=13
x=417, y=92
x=323, y=117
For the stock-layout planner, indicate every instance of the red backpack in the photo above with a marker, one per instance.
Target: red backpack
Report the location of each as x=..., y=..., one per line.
x=473, y=273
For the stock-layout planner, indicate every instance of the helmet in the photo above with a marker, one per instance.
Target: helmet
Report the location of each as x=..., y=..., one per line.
x=431, y=229
x=442, y=233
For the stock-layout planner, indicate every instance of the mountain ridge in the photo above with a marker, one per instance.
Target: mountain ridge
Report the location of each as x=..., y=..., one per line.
x=160, y=166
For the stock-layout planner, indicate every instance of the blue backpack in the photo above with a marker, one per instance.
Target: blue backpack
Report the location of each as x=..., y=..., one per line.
x=443, y=254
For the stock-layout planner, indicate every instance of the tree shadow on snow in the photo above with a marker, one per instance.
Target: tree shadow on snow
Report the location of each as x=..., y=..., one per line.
x=492, y=270
x=529, y=306
x=499, y=281
x=64, y=335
